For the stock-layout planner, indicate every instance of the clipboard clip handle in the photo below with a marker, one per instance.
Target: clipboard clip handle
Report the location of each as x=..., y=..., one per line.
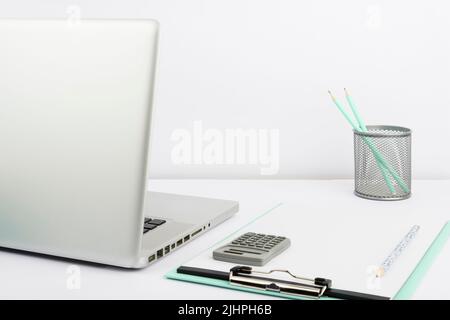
x=245, y=276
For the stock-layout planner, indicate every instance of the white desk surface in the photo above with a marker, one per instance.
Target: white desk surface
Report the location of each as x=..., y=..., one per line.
x=25, y=276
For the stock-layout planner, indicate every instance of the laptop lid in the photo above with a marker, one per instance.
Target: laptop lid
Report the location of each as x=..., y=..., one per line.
x=75, y=107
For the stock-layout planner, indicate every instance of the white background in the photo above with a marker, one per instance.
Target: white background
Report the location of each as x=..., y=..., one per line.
x=268, y=64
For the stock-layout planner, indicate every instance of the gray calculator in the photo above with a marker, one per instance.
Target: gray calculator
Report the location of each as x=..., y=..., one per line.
x=254, y=249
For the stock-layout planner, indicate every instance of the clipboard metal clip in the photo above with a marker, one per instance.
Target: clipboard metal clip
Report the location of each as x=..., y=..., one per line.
x=247, y=277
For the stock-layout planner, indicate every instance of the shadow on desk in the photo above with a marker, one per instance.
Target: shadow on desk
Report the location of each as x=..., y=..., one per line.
x=64, y=259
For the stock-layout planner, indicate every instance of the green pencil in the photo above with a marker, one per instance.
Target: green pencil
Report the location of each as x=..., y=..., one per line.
x=363, y=128
x=376, y=153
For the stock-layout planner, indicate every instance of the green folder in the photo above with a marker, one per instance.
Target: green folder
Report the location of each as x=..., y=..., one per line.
x=405, y=291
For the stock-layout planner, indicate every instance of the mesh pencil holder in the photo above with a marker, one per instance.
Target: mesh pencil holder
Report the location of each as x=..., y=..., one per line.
x=383, y=163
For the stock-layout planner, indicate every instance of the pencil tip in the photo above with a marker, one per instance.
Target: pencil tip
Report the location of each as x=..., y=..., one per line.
x=331, y=95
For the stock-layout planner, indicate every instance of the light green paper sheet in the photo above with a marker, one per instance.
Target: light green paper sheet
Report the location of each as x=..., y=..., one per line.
x=405, y=292
x=408, y=288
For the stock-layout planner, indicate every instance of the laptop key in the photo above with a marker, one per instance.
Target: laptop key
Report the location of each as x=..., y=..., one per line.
x=157, y=222
x=149, y=226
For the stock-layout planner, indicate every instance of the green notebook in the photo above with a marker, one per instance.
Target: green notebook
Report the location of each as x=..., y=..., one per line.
x=405, y=292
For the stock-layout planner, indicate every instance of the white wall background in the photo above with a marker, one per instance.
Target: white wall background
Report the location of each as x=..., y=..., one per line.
x=268, y=64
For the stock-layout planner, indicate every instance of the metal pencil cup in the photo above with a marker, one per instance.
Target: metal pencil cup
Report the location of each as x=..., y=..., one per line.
x=383, y=163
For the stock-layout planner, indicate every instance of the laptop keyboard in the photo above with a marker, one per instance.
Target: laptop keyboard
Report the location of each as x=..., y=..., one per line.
x=151, y=224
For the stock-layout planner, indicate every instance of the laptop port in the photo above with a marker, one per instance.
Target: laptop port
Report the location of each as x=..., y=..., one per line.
x=151, y=258
x=196, y=232
x=179, y=242
x=187, y=238
x=172, y=246
x=159, y=253
x=166, y=249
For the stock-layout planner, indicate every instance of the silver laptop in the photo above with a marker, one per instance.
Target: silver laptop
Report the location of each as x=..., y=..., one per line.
x=75, y=118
